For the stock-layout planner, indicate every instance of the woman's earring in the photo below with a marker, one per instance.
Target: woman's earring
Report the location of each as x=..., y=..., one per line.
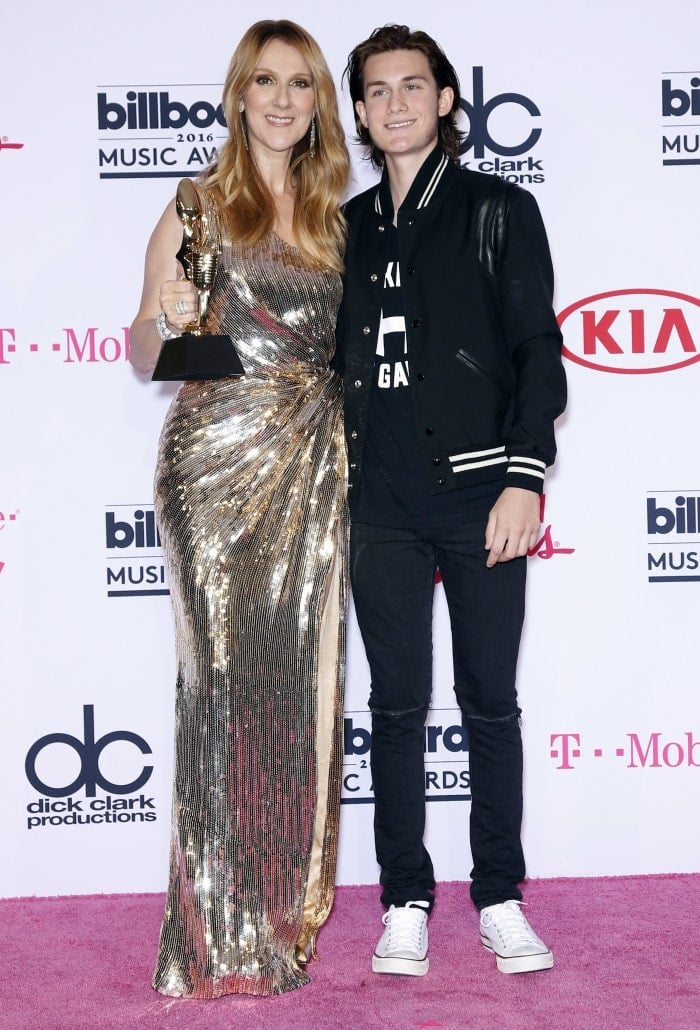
x=312, y=138
x=244, y=127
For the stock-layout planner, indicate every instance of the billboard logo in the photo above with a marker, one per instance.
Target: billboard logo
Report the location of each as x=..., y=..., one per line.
x=680, y=98
x=509, y=141
x=633, y=332
x=673, y=537
x=158, y=131
x=155, y=110
x=138, y=531
x=135, y=565
x=684, y=517
x=446, y=750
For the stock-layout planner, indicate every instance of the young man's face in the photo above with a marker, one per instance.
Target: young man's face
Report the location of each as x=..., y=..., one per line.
x=402, y=103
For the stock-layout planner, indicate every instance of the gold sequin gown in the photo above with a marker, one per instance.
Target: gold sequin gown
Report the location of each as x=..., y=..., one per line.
x=250, y=498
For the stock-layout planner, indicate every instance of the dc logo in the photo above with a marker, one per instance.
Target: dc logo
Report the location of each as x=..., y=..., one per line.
x=479, y=111
x=89, y=751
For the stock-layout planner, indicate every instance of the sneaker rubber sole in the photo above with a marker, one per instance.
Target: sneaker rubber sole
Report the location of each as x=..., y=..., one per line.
x=403, y=966
x=521, y=963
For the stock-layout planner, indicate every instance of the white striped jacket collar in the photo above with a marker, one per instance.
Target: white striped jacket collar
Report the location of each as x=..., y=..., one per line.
x=422, y=189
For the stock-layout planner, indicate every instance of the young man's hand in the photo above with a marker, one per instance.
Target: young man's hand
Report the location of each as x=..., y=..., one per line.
x=513, y=525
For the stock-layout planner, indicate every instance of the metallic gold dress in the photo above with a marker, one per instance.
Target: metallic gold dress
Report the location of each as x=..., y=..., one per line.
x=250, y=497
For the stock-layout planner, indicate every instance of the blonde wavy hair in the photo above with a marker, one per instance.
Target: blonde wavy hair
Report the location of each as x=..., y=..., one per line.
x=321, y=179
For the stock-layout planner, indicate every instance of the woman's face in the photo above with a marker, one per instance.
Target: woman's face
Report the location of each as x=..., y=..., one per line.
x=279, y=102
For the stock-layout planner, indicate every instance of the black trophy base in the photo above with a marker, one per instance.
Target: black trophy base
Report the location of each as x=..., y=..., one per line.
x=197, y=357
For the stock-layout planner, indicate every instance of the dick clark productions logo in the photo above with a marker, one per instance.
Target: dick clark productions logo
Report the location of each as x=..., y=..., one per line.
x=508, y=146
x=45, y=766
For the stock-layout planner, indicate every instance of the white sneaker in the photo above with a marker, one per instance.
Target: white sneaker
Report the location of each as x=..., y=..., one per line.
x=506, y=932
x=403, y=947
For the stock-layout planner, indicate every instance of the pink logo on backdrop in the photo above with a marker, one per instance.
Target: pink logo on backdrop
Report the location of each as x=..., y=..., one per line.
x=633, y=332
x=70, y=346
x=547, y=546
x=7, y=519
x=7, y=144
x=639, y=751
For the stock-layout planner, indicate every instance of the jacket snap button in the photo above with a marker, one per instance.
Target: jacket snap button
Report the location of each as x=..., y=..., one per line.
x=366, y=330
x=411, y=270
x=428, y=429
x=441, y=481
x=411, y=221
x=381, y=228
x=373, y=277
x=417, y=323
x=353, y=435
x=358, y=384
x=420, y=376
x=437, y=461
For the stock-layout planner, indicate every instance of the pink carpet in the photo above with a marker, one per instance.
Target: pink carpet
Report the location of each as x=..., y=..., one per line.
x=627, y=954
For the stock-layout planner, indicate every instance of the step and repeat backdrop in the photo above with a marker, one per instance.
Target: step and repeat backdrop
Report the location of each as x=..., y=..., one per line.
x=595, y=108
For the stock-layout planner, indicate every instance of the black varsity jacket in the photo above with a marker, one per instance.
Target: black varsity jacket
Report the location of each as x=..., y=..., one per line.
x=484, y=346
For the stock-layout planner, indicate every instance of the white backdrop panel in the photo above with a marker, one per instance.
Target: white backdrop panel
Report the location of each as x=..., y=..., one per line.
x=611, y=714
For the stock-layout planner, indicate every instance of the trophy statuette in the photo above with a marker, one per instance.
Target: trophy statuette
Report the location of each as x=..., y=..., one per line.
x=198, y=353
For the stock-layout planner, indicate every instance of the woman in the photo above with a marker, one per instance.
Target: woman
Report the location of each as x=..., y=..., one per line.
x=250, y=488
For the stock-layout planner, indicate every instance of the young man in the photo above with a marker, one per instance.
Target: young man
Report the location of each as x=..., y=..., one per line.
x=451, y=357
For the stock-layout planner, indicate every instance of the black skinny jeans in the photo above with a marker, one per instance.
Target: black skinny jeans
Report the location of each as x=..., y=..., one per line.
x=393, y=576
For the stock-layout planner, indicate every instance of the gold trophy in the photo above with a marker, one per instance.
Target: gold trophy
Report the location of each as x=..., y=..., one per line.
x=198, y=353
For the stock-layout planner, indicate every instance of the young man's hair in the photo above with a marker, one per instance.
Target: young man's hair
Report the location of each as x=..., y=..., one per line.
x=399, y=37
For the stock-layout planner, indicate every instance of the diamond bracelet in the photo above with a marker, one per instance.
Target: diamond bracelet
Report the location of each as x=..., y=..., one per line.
x=162, y=329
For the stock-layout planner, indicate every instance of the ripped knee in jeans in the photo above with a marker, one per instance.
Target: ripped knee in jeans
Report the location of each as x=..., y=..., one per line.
x=398, y=713
x=493, y=718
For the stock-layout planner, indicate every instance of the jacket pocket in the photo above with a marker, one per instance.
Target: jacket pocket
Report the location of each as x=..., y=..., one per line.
x=483, y=373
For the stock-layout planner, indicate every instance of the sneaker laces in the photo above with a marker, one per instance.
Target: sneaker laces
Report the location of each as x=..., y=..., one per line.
x=511, y=924
x=405, y=926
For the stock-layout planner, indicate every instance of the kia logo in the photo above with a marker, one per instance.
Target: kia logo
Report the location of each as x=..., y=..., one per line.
x=633, y=331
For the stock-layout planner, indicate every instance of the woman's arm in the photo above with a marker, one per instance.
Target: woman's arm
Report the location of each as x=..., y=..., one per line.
x=162, y=289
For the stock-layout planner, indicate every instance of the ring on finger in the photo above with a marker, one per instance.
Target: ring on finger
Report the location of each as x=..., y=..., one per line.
x=181, y=307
